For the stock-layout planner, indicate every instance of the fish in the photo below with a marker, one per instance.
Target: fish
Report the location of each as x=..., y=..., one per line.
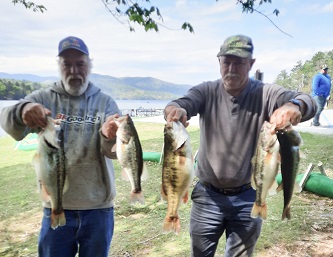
x=290, y=141
x=129, y=155
x=265, y=166
x=177, y=172
x=50, y=165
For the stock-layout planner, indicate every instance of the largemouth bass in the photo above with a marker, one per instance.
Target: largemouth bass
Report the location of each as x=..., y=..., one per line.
x=290, y=142
x=178, y=172
x=265, y=166
x=129, y=155
x=50, y=165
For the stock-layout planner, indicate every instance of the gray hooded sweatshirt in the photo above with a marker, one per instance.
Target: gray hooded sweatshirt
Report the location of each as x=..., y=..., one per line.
x=91, y=181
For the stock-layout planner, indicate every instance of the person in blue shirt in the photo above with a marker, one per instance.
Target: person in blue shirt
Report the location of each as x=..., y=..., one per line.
x=321, y=88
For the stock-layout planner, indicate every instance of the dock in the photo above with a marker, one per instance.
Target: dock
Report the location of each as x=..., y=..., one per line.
x=142, y=112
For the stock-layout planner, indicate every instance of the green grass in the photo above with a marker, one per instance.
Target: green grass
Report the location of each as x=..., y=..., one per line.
x=138, y=229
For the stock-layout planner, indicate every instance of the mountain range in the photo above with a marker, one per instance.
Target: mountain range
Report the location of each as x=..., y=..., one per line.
x=123, y=88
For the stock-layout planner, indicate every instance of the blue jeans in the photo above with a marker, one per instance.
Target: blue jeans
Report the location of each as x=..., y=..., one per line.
x=88, y=232
x=213, y=213
x=321, y=101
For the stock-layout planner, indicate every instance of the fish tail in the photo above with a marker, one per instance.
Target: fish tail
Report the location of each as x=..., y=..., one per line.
x=137, y=197
x=45, y=195
x=172, y=224
x=286, y=213
x=58, y=218
x=259, y=211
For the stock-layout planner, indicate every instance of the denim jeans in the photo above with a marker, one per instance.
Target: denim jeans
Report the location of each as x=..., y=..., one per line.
x=321, y=101
x=213, y=213
x=88, y=232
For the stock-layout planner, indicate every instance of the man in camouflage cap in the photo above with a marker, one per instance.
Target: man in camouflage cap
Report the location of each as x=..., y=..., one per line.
x=232, y=111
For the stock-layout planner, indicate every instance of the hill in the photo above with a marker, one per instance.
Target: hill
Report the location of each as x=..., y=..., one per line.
x=126, y=88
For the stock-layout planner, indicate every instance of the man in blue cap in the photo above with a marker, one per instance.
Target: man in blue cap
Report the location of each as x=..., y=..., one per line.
x=321, y=90
x=232, y=111
x=87, y=120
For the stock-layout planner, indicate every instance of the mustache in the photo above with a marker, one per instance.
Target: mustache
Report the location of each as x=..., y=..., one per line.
x=75, y=77
x=231, y=75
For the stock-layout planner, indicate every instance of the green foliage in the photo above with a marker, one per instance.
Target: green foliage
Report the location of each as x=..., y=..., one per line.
x=30, y=5
x=145, y=14
x=301, y=75
x=16, y=89
x=128, y=88
x=147, y=17
x=132, y=12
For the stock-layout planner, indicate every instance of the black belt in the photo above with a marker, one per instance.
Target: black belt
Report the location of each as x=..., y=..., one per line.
x=228, y=190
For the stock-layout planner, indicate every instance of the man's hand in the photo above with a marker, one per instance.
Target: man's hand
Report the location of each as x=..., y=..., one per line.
x=34, y=115
x=173, y=113
x=109, y=127
x=286, y=115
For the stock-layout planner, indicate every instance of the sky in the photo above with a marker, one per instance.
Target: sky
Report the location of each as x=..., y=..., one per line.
x=29, y=40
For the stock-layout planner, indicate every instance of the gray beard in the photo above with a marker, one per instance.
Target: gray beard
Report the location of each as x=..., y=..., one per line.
x=75, y=90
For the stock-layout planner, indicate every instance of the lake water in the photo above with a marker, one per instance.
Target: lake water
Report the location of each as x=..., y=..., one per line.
x=122, y=104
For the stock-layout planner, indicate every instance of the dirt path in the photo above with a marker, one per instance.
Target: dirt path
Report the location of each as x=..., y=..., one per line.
x=320, y=245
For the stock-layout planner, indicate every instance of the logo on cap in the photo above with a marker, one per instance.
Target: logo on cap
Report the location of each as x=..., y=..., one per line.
x=72, y=43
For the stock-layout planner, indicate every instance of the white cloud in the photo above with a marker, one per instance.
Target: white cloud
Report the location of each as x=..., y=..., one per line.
x=29, y=40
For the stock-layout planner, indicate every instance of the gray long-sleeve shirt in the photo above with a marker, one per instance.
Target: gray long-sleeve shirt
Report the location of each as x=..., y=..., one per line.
x=230, y=126
x=91, y=181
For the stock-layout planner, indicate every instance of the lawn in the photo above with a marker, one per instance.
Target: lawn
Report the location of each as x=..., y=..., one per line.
x=138, y=229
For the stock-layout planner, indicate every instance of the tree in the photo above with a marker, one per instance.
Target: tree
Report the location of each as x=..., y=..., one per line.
x=30, y=5
x=147, y=15
x=301, y=75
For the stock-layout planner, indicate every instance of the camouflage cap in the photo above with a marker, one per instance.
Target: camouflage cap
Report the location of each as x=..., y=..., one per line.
x=238, y=45
x=324, y=67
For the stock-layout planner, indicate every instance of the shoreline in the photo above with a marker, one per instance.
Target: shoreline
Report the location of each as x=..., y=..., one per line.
x=194, y=121
x=326, y=120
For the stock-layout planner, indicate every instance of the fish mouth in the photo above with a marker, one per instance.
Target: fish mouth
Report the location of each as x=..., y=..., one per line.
x=271, y=144
x=50, y=145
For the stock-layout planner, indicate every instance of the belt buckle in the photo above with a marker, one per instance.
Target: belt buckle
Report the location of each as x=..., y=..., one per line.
x=230, y=191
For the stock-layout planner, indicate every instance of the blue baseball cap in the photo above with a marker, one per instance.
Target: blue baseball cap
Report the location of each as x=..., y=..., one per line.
x=72, y=43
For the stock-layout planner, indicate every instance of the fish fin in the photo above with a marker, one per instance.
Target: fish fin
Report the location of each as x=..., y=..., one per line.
x=144, y=175
x=66, y=185
x=163, y=194
x=182, y=136
x=273, y=188
x=259, y=211
x=124, y=175
x=302, y=155
x=44, y=194
x=137, y=198
x=280, y=187
x=171, y=224
x=255, y=211
x=286, y=213
x=279, y=158
x=185, y=197
x=114, y=148
x=58, y=218
x=253, y=183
